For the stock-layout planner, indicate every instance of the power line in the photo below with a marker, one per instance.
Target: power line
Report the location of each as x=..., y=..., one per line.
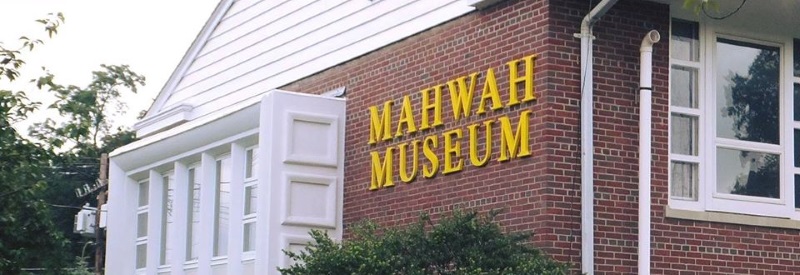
x=725, y=16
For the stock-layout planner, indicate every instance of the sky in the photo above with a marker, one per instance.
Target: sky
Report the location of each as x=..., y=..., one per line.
x=149, y=35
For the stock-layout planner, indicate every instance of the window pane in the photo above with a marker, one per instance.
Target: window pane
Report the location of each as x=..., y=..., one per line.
x=250, y=199
x=683, y=87
x=683, y=131
x=141, y=225
x=144, y=193
x=796, y=102
x=796, y=191
x=223, y=179
x=748, y=173
x=141, y=256
x=251, y=163
x=797, y=57
x=683, y=181
x=249, y=237
x=796, y=148
x=684, y=44
x=193, y=217
x=167, y=219
x=747, y=91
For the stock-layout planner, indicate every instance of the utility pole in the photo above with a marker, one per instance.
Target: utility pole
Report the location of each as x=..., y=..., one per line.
x=100, y=240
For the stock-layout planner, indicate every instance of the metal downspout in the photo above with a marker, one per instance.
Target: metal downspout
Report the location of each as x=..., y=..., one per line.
x=645, y=145
x=587, y=135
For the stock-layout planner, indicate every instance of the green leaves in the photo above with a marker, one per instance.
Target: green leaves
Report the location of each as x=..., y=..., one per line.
x=87, y=108
x=51, y=23
x=36, y=175
x=698, y=5
x=464, y=243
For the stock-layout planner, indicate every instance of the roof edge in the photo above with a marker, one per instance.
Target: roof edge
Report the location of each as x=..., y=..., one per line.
x=188, y=57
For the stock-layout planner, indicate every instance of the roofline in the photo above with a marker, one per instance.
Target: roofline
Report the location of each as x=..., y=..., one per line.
x=198, y=43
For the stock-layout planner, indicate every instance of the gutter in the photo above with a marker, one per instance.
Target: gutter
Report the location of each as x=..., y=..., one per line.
x=587, y=135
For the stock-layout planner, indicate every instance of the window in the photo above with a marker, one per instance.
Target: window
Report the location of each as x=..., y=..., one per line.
x=250, y=200
x=728, y=102
x=167, y=217
x=193, y=214
x=684, y=127
x=223, y=203
x=141, y=224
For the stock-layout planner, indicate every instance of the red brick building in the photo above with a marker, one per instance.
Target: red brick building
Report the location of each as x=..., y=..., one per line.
x=483, y=111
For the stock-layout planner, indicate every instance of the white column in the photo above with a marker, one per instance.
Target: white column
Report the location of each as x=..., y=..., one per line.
x=208, y=191
x=236, y=210
x=155, y=207
x=121, y=236
x=180, y=212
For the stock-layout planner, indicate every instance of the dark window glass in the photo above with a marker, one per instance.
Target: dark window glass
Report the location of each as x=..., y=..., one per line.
x=748, y=173
x=796, y=102
x=684, y=44
x=796, y=148
x=797, y=57
x=796, y=191
x=748, y=91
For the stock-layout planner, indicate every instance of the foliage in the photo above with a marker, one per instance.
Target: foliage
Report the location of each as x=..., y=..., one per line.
x=88, y=109
x=37, y=175
x=464, y=243
x=698, y=5
x=27, y=234
x=81, y=267
x=81, y=138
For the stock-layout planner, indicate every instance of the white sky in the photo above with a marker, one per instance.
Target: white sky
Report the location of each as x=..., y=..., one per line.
x=149, y=35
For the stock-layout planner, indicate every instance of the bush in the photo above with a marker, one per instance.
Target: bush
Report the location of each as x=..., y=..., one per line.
x=464, y=243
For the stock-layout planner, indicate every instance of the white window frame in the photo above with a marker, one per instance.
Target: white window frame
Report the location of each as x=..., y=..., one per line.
x=189, y=261
x=168, y=178
x=221, y=258
x=707, y=199
x=142, y=209
x=250, y=181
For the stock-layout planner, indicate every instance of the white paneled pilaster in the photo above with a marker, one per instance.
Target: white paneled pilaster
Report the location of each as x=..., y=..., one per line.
x=180, y=210
x=236, y=209
x=302, y=141
x=121, y=242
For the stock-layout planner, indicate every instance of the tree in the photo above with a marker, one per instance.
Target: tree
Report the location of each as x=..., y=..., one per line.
x=78, y=141
x=27, y=235
x=464, y=243
x=36, y=175
x=88, y=110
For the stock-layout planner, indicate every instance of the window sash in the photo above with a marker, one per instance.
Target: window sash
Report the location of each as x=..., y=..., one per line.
x=250, y=205
x=193, y=189
x=142, y=224
x=706, y=160
x=167, y=220
x=222, y=205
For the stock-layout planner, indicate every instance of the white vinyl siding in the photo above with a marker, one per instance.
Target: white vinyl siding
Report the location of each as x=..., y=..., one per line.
x=262, y=45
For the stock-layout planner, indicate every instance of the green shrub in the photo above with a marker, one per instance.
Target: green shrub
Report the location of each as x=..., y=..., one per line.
x=464, y=243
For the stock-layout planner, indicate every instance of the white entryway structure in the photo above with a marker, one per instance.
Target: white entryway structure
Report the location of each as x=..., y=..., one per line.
x=227, y=196
x=229, y=170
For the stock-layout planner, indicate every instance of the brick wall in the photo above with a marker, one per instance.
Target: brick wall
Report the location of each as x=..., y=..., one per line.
x=541, y=193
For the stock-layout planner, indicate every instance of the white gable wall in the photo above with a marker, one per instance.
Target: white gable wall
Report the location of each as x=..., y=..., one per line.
x=262, y=45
